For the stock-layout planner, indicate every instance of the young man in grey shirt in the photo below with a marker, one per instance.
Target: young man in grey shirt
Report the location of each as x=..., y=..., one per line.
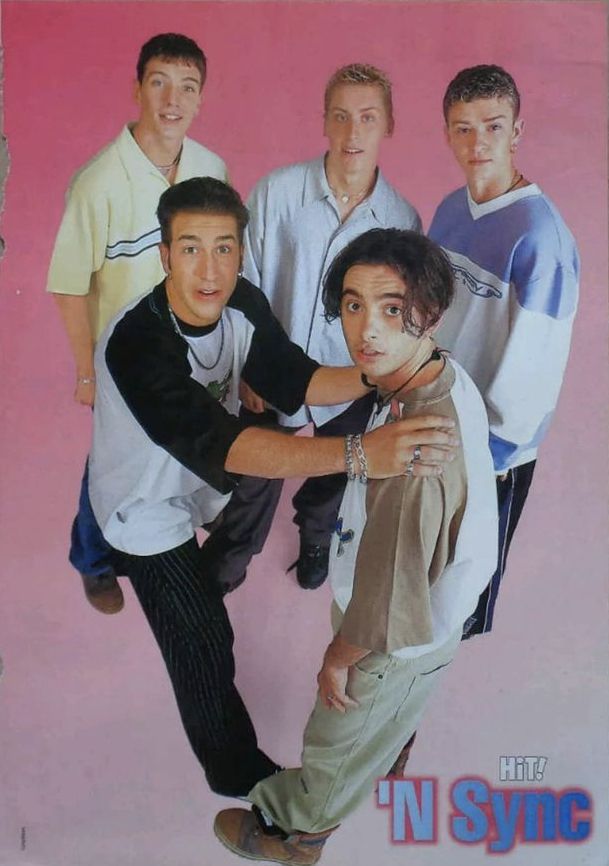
x=302, y=216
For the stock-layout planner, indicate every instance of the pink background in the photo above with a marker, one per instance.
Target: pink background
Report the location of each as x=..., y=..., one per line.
x=93, y=760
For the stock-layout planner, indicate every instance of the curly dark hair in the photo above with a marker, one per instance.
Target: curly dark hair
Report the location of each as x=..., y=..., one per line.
x=481, y=82
x=420, y=263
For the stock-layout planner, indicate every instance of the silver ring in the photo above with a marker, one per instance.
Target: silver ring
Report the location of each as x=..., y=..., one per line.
x=416, y=454
x=409, y=469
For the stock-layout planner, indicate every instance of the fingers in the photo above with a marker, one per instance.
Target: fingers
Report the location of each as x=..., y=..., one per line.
x=341, y=702
x=411, y=447
x=427, y=436
x=419, y=433
x=254, y=403
x=85, y=394
x=419, y=423
x=332, y=691
x=333, y=703
x=407, y=439
x=427, y=460
x=433, y=455
x=250, y=399
x=424, y=422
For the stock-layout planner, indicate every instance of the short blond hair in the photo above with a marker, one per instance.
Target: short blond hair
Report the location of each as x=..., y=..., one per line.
x=362, y=73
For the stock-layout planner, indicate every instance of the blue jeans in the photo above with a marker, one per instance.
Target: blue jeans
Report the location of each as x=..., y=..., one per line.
x=90, y=553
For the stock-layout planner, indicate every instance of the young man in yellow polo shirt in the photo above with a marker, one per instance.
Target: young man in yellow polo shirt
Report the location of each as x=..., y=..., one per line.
x=106, y=251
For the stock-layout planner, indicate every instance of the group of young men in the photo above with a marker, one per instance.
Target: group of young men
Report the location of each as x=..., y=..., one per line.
x=321, y=302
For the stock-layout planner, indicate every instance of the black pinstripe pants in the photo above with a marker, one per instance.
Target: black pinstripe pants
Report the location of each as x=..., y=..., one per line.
x=191, y=626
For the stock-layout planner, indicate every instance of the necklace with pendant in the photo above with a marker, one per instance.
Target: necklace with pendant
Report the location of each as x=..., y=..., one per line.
x=345, y=198
x=203, y=366
x=381, y=402
x=165, y=169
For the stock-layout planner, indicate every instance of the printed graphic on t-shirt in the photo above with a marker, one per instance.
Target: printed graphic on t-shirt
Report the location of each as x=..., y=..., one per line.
x=131, y=248
x=343, y=537
x=219, y=390
x=470, y=276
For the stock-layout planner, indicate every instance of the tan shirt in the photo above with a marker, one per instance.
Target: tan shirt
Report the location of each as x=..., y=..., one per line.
x=414, y=576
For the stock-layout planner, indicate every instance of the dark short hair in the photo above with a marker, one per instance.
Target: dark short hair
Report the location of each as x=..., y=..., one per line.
x=172, y=47
x=420, y=263
x=481, y=82
x=200, y=195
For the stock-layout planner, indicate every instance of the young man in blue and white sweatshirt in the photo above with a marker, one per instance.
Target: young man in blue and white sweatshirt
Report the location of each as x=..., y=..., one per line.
x=517, y=270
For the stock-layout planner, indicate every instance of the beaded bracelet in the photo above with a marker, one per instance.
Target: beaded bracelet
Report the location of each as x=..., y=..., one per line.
x=361, y=456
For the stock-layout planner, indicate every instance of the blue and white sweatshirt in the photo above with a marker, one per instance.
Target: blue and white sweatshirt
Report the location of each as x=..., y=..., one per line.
x=516, y=272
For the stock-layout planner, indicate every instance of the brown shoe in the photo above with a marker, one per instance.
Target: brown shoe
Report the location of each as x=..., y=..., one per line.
x=241, y=832
x=103, y=592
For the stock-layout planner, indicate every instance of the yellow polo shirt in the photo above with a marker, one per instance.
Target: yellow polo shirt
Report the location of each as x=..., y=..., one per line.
x=107, y=245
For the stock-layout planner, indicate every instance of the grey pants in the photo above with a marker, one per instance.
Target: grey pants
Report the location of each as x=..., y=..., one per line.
x=247, y=518
x=344, y=755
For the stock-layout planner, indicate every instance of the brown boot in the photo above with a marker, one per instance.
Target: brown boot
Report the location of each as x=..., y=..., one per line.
x=103, y=592
x=241, y=832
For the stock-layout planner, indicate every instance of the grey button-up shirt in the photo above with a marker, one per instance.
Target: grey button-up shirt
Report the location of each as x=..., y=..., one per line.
x=293, y=236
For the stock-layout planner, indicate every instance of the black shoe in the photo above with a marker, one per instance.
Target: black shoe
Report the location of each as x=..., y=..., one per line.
x=311, y=565
x=225, y=588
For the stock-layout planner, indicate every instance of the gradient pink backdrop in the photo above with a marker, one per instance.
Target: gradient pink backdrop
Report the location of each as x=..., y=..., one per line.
x=93, y=761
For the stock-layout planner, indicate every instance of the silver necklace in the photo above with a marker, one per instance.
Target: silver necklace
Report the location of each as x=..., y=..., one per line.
x=345, y=197
x=203, y=366
x=165, y=169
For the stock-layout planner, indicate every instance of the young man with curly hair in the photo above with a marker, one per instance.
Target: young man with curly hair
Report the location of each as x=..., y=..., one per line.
x=409, y=556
